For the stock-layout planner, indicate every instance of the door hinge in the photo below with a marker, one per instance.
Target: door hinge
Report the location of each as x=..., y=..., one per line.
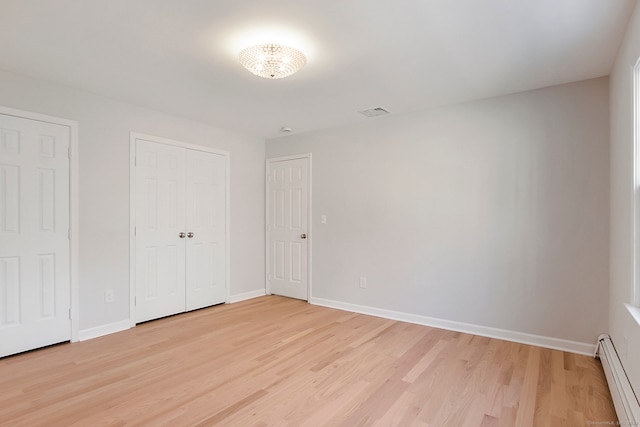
x=135, y=161
x=69, y=152
x=135, y=231
x=69, y=314
x=135, y=301
x=69, y=233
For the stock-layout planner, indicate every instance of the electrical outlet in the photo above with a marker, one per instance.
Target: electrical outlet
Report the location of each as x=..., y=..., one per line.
x=323, y=219
x=109, y=296
x=363, y=282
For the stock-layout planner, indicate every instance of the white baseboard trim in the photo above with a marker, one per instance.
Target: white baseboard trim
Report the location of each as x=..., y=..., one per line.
x=103, y=330
x=484, y=331
x=246, y=295
x=123, y=325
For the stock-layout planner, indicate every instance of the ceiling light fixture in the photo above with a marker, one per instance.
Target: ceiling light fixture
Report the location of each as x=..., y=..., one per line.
x=272, y=61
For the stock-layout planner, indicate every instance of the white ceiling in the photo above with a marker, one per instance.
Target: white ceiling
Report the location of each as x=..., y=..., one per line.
x=179, y=56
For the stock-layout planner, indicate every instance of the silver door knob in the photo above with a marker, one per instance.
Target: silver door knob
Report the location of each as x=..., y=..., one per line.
x=303, y=236
x=190, y=234
x=181, y=235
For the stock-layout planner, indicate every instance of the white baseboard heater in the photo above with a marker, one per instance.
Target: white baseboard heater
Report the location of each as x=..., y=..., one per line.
x=624, y=399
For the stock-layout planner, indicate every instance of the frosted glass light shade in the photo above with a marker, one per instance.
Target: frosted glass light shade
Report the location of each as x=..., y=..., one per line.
x=272, y=61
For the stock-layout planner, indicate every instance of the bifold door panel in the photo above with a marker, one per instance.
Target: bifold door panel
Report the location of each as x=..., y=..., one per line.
x=206, y=211
x=160, y=218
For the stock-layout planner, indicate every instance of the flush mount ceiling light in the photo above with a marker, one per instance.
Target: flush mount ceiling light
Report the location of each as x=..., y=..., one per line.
x=272, y=61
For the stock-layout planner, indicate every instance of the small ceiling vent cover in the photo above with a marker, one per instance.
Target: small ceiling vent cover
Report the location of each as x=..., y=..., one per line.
x=374, y=112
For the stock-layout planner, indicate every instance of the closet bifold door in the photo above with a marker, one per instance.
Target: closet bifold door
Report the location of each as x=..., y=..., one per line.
x=206, y=228
x=180, y=229
x=160, y=220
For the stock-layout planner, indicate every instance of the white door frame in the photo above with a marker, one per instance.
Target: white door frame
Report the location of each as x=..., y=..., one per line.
x=309, y=217
x=132, y=210
x=74, y=315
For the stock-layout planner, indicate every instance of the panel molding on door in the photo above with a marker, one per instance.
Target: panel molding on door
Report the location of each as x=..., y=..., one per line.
x=38, y=226
x=206, y=220
x=288, y=226
x=160, y=262
x=195, y=225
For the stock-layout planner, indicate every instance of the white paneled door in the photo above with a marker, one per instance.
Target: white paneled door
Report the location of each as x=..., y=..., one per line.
x=206, y=223
x=287, y=227
x=35, y=291
x=160, y=221
x=180, y=230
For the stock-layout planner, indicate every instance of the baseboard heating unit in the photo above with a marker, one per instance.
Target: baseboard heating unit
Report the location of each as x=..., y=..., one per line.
x=624, y=399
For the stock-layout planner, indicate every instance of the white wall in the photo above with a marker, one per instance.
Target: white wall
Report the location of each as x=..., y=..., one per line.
x=492, y=213
x=624, y=331
x=104, y=188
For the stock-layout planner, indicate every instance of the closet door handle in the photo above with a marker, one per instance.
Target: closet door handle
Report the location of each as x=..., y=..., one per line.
x=190, y=234
x=181, y=235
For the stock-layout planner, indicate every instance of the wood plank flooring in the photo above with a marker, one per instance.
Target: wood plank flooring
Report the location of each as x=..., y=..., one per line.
x=274, y=361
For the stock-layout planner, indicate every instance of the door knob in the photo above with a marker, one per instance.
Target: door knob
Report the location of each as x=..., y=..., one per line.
x=181, y=235
x=190, y=234
x=303, y=236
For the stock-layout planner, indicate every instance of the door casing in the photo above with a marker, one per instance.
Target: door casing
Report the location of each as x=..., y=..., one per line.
x=309, y=217
x=132, y=213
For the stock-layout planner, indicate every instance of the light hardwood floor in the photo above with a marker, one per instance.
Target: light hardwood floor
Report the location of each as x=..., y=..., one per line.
x=273, y=361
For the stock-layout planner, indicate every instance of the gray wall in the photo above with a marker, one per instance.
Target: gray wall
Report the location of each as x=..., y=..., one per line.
x=624, y=330
x=493, y=213
x=104, y=188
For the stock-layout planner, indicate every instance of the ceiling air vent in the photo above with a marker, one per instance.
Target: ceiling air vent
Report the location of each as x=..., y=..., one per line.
x=374, y=112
